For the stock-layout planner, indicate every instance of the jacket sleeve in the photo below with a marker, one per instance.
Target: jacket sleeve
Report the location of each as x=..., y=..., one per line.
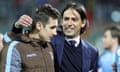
x=14, y=64
x=16, y=30
x=94, y=64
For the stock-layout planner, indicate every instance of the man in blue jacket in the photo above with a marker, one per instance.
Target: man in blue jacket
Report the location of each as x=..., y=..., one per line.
x=73, y=54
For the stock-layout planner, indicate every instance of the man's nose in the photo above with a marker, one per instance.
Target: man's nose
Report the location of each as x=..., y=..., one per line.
x=69, y=22
x=55, y=32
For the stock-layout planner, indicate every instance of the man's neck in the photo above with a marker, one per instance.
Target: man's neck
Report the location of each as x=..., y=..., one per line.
x=34, y=35
x=114, y=47
x=77, y=39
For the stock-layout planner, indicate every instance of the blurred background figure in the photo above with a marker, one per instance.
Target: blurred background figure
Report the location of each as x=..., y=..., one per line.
x=1, y=41
x=117, y=62
x=111, y=42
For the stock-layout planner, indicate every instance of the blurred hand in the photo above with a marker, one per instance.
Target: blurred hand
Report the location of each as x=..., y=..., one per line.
x=24, y=21
x=114, y=67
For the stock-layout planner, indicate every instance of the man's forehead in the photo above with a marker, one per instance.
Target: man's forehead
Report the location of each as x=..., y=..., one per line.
x=108, y=32
x=71, y=13
x=53, y=22
x=1, y=36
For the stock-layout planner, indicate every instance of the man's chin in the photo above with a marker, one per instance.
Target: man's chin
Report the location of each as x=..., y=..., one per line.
x=70, y=36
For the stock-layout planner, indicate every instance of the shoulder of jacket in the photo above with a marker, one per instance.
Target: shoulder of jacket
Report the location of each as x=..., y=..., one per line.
x=88, y=45
x=13, y=43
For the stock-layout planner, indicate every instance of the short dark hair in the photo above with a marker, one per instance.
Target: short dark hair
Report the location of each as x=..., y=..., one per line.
x=43, y=13
x=81, y=10
x=115, y=32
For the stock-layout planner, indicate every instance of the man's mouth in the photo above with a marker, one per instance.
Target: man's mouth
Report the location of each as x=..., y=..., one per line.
x=69, y=27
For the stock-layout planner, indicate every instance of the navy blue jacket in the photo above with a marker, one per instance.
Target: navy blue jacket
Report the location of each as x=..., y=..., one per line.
x=89, y=53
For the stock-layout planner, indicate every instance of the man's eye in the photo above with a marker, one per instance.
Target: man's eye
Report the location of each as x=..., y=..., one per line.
x=66, y=18
x=53, y=27
x=74, y=19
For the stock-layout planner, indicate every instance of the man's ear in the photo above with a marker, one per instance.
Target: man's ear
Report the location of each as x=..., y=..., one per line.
x=84, y=23
x=39, y=25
